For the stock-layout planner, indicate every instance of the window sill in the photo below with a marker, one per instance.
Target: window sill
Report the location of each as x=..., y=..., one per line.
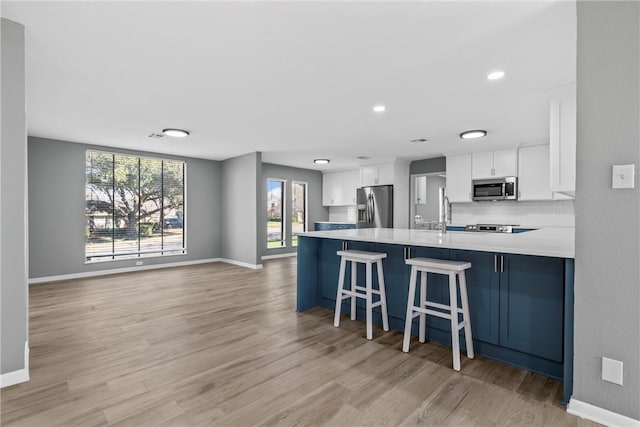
x=133, y=258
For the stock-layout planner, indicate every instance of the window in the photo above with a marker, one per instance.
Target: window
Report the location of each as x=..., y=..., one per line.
x=298, y=210
x=275, y=213
x=134, y=206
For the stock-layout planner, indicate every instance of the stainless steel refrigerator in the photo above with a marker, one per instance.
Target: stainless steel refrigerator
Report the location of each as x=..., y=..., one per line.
x=375, y=207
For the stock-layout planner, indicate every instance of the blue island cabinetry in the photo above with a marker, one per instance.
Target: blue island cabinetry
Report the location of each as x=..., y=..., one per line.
x=517, y=302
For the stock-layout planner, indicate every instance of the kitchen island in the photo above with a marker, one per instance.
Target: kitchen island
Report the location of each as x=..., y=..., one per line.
x=520, y=287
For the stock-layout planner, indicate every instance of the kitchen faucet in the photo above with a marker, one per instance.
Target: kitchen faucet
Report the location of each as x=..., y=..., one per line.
x=444, y=211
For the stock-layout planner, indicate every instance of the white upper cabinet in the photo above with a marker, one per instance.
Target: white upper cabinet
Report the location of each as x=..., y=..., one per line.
x=339, y=188
x=562, y=140
x=533, y=173
x=381, y=174
x=420, y=190
x=492, y=164
x=459, y=178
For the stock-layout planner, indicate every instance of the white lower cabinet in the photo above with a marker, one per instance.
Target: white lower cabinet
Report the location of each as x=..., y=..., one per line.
x=459, y=178
x=339, y=188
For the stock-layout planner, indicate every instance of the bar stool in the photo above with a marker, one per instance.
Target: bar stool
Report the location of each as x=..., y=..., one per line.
x=453, y=269
x=366, y=292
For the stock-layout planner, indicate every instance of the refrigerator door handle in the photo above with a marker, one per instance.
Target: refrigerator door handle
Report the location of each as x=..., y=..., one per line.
x=373, y=209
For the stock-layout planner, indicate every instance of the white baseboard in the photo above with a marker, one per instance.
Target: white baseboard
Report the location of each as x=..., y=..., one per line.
x=599, y=415
x=241, y=263
x=287, y=255
x=19, y=376
x=119, y=270
x=97, y=273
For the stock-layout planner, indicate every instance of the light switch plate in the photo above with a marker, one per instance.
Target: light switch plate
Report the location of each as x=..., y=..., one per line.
x=623, y=176
x=612, y=370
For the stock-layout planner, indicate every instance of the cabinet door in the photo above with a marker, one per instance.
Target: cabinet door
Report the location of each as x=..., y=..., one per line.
x=482, y=165
x=505, y=163
x=339, y=188
x=329, y=188
x=459, y=178
x=562, y=140
x=369, y=175
x=328, y=268
x=420, y=189
x=348, y=183
x=531, y=305
x=533, y=173
x=483, y=286
x=397, y=289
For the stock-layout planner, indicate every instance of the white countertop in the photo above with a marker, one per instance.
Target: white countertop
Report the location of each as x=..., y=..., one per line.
x=549, y=241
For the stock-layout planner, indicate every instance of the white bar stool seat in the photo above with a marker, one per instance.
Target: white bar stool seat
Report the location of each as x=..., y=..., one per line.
x=455, y=270
x=357, y=291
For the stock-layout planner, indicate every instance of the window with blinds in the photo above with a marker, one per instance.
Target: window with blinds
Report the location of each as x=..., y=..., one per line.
x=134, y=206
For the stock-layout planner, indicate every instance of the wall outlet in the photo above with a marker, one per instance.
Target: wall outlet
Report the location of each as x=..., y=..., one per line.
x=612, y=370
x=139, y=262
x=623, y=176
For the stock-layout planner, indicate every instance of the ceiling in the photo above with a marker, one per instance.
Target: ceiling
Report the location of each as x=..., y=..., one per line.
x=295, y=80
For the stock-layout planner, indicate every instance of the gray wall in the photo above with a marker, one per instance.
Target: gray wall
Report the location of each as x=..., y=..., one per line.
x=13, y=181
x=607, y=288
x=438, y=164
x=240, y=197
x=316, y=212
x=56, y=216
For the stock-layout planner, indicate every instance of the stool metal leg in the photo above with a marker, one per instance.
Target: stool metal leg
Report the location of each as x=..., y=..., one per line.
x=354, y=279
x=409, y=316
x=369, y=303
x=336, y=318
x=465, y=314
x=383, y=296
x=453, y=303
x=423, y=301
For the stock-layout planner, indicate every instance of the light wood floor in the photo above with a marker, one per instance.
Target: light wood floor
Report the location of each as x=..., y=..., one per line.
x=215, y=344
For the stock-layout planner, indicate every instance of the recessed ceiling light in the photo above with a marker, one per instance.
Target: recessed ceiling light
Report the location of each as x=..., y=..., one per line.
x=363, y=157
x=379, y=108
x=496, y=75
x=472, y=134
x=419, y=140
x=176, y=133
x=321, y=161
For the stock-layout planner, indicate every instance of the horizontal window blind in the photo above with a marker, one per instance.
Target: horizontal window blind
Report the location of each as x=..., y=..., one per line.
x=134, y=206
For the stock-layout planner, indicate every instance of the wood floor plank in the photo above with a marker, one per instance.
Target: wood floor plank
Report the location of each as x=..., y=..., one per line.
x=216, y=344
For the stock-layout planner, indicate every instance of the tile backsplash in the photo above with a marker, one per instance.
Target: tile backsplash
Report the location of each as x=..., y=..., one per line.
x=342, y=213
x=536, y=214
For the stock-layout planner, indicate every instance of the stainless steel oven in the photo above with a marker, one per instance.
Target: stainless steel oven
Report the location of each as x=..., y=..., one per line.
x=495, y=189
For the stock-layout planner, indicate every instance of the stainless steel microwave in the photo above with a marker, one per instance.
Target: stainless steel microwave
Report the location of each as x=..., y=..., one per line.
x=495, y=189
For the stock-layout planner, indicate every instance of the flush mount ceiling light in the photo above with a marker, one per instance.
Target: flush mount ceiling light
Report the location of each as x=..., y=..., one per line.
x=379, y=108
x=321, y=161
x=472, y=134
x=176, y=133
x=495, y=75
